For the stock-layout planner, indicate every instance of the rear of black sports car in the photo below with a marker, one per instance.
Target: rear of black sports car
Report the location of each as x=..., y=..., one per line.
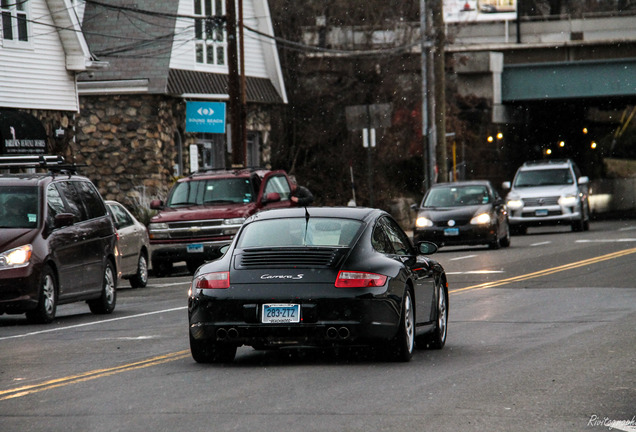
x=310, y=296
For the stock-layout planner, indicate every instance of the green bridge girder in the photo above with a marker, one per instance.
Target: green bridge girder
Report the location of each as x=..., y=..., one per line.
x=580, y=79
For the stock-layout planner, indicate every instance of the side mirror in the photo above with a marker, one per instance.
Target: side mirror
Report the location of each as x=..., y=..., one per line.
x=506, y=185
x=271, y=197
x=584, y=180
x=426, y=248
x=415, y=207
x=63, y=220
x=156, y=204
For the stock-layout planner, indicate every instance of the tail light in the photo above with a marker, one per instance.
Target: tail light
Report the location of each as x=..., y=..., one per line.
x=218, y=280
x=354, y=279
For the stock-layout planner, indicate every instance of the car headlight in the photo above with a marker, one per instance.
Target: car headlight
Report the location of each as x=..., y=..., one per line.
x=18, y=257
x=422, y=222
x=234, y=221
x=568, y=201
x=158, y=230
x=481, y=219
x=515, y=203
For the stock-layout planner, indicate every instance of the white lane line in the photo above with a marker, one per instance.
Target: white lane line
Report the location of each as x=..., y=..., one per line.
x=541, y=243
x=91, y=323
x=630, y=228
x=623, y=240
x=169, y=284
x=463, y=257
x=476, y=272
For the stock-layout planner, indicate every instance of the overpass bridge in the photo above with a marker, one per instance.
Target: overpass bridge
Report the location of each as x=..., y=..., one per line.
x=560, y=84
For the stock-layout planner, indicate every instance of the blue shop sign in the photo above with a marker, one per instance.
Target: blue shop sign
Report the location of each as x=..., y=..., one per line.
x=207, y=117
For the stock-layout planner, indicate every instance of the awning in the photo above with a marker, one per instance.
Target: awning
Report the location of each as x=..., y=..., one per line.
x=21, y=133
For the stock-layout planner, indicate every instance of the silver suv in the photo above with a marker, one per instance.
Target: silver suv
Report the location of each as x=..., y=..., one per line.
x=548, y=192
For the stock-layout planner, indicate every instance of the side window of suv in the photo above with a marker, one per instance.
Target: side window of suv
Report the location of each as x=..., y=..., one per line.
x=73, y=200
x=55, y=203
x=279, y=185
x=90, y=197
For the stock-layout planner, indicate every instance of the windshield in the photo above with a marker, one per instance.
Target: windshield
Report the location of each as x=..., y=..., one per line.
x=457, y=196
x=300, y=232
x=212, y=191
x=19, y=207
x=544, y=177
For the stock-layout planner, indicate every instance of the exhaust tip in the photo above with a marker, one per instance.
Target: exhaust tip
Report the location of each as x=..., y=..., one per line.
x=332, y=333
x=343, y=332
x=232, y=333
x=221, y=333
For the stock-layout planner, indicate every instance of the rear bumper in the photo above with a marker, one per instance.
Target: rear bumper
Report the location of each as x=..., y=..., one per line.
x=323, y=322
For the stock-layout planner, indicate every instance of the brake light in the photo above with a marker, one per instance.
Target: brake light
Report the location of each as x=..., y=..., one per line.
x=219, y=280
x=354, y=279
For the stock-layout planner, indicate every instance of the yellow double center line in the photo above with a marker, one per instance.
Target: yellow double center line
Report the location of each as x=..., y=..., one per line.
x=91, y=375
x=545, y=272
x=100, y=373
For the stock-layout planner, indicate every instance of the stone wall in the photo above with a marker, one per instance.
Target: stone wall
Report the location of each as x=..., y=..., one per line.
x=128, y=144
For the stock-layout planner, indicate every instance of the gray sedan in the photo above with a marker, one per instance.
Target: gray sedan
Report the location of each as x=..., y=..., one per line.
x=132, y=244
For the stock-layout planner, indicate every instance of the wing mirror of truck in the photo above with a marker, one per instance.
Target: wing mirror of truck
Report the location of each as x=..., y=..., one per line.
x=505, y=185
x=156, y=204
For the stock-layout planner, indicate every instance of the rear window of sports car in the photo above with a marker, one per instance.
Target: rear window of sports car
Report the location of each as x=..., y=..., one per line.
x=291, y=232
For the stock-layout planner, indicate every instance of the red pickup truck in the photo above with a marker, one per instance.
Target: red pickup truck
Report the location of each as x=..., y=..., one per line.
x=205, y=210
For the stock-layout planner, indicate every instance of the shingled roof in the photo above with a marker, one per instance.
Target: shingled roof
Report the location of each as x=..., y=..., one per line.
x=138, y=45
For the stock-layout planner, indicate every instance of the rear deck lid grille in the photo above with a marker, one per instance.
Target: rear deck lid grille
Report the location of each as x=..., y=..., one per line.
x=289, y=257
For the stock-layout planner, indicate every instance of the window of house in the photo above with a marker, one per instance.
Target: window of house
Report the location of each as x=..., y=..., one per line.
x=14, y=20
x=209, y=32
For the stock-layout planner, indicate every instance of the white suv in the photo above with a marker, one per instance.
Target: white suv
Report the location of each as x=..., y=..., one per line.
x=548, y=192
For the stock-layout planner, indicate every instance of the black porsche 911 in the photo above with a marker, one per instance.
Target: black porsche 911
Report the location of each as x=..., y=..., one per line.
x=319, y=276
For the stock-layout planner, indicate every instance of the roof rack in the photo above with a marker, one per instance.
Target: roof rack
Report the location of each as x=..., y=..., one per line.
x=53, y=163
x=547, y=161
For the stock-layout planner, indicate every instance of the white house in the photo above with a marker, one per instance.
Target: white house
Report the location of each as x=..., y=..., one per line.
x=42, y=49
x=163, y=54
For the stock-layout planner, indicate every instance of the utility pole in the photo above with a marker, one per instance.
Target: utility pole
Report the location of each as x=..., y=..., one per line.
x=243, y=90
x=437, y=11
x=234, y=90
x=427, y=144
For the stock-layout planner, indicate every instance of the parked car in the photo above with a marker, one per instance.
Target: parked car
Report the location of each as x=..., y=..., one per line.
x=133, y=245
x=57, y=241
x=204, y=211
x=548, y=192
x=463, y=213
x=319, y=276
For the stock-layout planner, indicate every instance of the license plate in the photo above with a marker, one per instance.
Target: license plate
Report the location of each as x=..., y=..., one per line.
x=194, y=248
x=280, y=313
x=542, y=212
x=451, y=232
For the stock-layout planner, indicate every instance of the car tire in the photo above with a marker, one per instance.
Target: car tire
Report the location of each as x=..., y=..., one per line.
x=205, y=351
x=44, y=313
x=518, y=230
x=505, y=240
x=106, y=302
x=401, y=347
x=436, y=338
x=140, y=279
x=578, y=225
x=161, y=268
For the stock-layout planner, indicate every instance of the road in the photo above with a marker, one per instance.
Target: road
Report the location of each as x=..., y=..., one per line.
x=541, y=338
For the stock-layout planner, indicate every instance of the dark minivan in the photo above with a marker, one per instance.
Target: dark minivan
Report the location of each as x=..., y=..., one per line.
x=57, y=240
